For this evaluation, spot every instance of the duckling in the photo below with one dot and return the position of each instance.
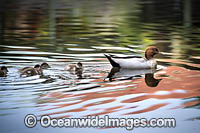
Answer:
(31, 71)
(135, 62)
(3, 71)
(36, 70)
(75, 67)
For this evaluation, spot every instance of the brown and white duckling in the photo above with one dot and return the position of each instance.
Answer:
(135, 62)
(77, 68)
(36, 70)
(74, 67)
(31, 71)
(3, 71)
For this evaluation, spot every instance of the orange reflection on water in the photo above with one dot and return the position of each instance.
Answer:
(127, 95)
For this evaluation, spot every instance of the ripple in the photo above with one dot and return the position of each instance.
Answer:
(112, 48)
(80, 49)
(18, 47)
(24, 57)
(162, 93)
(30, 53)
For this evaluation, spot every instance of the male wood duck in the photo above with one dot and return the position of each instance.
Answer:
(3, 71)
(135, 62)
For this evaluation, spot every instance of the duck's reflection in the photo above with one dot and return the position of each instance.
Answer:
(150, 80)
(125, 74)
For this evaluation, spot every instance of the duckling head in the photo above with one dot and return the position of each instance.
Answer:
(79, 65)
(45, 65)
(38, 69)
(151, 52)
(37, 66)
(4, 69)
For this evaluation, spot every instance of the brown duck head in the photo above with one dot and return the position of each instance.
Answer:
(151, 51)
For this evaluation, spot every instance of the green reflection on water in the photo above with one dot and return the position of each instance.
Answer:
(48, 25)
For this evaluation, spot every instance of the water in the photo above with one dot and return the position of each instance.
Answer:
(66, 32)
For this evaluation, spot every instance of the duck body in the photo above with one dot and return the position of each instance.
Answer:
(131, 62)
(135, 62)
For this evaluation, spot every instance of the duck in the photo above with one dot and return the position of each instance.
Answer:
(36, 70)
(3, 71)
(135, 62)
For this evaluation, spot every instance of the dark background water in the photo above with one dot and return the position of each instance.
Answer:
(67, 31)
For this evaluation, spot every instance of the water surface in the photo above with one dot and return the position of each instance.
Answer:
(66, 32)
